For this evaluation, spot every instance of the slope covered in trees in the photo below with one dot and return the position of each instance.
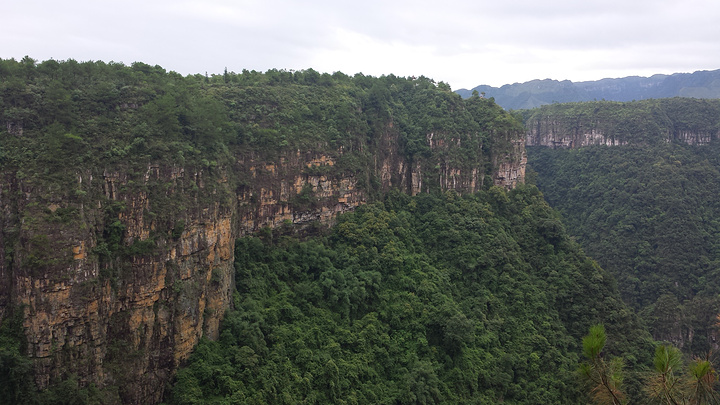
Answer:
(647, 212)
(647, 122)
(99, 114)
(109, 170)
(428, 299)
(123, 188)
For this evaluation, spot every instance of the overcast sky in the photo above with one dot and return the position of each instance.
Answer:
(463, 43)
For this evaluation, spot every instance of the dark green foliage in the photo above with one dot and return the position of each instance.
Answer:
(16, 383)
(67, 126)
(58, 118)
(426, 299)
(646, 122)
(69, 392)
(647, 214)
(87, 140)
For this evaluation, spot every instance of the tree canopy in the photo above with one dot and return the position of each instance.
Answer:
(428, 299)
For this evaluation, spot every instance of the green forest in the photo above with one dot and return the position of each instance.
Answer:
(606, 293)
(642, 123)
(98, 114)
(648, 215)
(414, 300)
(647, 212)
(66, 124)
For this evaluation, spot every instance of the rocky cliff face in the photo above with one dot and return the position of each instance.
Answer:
(510, 166)
(697, 137)
(127, 323)
(559, 134)
(575, 125)
(119, 276)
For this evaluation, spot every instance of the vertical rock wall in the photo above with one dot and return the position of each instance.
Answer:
(119, 278)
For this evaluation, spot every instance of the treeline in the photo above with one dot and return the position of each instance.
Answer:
(428, 299)
(90, 113)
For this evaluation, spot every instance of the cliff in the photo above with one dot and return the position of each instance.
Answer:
(575, 125)
(126, 323)
(117, 240)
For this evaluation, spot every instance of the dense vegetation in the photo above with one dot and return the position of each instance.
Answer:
(647, 212)
(68, 114)
(427, 299)
(437, 298)
(63, 122)
(648, 216)
(647, 122)
(67, 126)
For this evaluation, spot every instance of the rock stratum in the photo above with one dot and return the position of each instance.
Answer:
(123, 190)
(576, 125)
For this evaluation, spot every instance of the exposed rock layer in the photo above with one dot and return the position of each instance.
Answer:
(561, 134)
(130, 318)
(576, 125)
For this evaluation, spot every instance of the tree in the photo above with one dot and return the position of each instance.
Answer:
(664, 385)
(702, 382)
(603, 378)
(667, 386)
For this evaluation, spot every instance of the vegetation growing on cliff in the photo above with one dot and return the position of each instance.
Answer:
(646, 122)
(58, 116)
(646, 211)
(69, 127)
(105, 168)
(428, 299)
(433, 298)
(649, 216)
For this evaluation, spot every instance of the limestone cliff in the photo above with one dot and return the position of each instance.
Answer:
(127, 323)
(129, 320)
(558, 134)
(575, 125)
(123, 189)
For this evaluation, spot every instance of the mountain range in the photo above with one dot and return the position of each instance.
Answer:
(700, 84)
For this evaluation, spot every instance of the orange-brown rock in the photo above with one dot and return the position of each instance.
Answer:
(129, 315)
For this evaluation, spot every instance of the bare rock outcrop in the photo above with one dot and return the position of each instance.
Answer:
(120, 276)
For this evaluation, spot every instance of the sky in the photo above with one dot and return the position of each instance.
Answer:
(462, 43)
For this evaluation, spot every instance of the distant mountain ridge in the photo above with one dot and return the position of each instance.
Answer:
(700, 84)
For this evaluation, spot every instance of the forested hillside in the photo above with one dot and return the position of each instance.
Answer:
(290, 237)
(647, 122)
(123, 189)
(646, 211)
(429, 299)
